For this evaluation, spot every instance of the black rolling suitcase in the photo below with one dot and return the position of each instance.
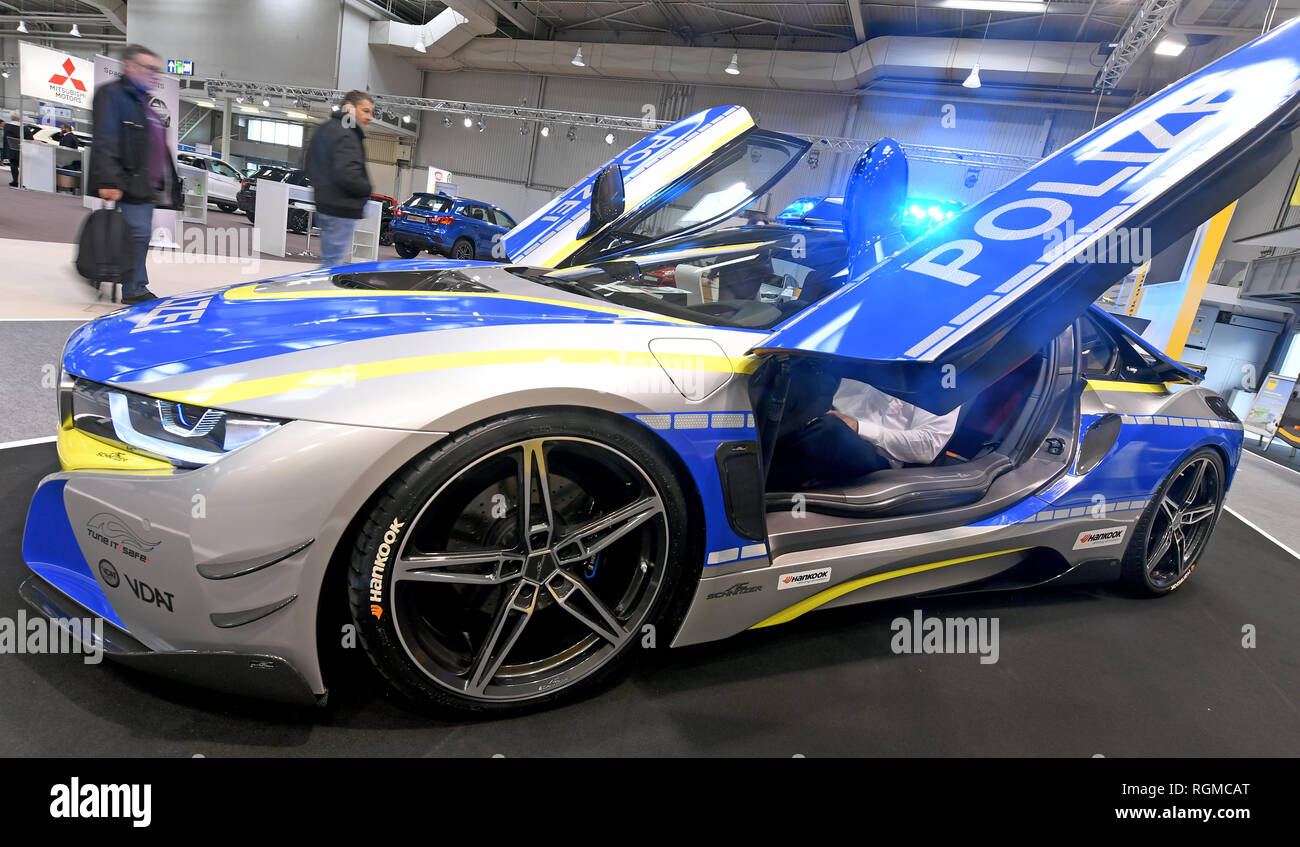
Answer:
(105, 252)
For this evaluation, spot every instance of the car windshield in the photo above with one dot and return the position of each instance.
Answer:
(431, 202)
(267, 172)
(750, 277)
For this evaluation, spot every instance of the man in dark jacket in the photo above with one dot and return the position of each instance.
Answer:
(131, 162)
(13, 140)
(336, 166)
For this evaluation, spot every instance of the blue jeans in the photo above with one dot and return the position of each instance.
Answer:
(335, 239)
(139, 219)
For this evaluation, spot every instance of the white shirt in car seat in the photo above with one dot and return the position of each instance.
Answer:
(905, 433)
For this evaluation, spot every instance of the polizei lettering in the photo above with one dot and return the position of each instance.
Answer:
(381, 565)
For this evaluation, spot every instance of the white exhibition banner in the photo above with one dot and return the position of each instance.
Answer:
(55, 77)
(436, 175)
(166, 103)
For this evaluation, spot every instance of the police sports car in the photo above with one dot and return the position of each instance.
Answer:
(511, 471)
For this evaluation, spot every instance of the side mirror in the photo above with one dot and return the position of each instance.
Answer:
(874, 199)
(606, 198)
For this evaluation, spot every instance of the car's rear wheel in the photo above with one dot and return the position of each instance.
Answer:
(520, 562)
(462, 249)
(249, 213)
(406, 251)
(1175, 529)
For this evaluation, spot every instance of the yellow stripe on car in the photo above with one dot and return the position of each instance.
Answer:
(267, 386)
(250, 292)
(1116, 385)
(821, 598)
(81, 452)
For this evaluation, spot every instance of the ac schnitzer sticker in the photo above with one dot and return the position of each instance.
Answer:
(802, 578)
(381, 565)
(1100, 537)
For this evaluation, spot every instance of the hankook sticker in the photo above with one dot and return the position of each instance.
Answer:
(1100, 537)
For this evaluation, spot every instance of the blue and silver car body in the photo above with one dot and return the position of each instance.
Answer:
(236, 459)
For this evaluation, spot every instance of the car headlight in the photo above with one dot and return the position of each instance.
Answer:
(187, 436)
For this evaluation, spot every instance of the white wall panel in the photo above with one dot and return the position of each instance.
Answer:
(287, 41)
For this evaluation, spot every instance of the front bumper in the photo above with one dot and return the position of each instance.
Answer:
(213, 575)
(248, 674)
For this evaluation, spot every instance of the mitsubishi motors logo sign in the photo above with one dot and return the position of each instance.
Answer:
(55, 77)
(67, 78)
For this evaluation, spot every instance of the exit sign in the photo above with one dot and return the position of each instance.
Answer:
(183, 67)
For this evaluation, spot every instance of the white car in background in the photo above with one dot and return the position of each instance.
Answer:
(52, 135)
(223, 179)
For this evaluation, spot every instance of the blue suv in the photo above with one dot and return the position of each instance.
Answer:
(455, 227)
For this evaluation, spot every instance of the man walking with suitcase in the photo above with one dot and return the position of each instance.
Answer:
(336, 166)
(131, 163)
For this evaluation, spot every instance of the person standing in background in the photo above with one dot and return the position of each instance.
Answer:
(336, 166)
(68, 139)
(130, 162)
(13, 140)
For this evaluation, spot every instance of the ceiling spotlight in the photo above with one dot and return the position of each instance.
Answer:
(1171, 45)
(334, 107)
(239, 99)
(480, 125)
(972, 81)
(469, 122)
(523, 130)
(734, 67)
(419, 44)
(74, 32)
(4, 74)
(577, 60)
(571, 134)
(406, 119)
(266, 102)
(546, 130)
(609, 138)
(22, 26)
(446, 120)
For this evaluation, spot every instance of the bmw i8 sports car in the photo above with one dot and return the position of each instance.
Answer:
(511, 470)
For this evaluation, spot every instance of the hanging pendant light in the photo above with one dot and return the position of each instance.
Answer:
(577, 59)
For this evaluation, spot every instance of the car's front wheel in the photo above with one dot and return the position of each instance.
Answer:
(521, 562)
(227, 207)
(406, 251)
(1175, 529)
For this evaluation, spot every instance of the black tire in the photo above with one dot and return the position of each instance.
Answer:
(484, 646)
(298, 221)
(463, 249)
(249, 213)
(406, 251)
(227, 207)
(385, 238)
(1158, 559)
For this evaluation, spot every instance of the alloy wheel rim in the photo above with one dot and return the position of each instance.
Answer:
(1182, 523)
(515, 579)
(464, 251)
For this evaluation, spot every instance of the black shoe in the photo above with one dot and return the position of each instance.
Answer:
(132, 299)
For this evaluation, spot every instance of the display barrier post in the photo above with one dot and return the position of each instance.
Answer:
(365, 237)
(194, 184)
(271, 216)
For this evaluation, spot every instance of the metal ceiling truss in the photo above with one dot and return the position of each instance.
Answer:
(219, 88)
(1146, 25)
